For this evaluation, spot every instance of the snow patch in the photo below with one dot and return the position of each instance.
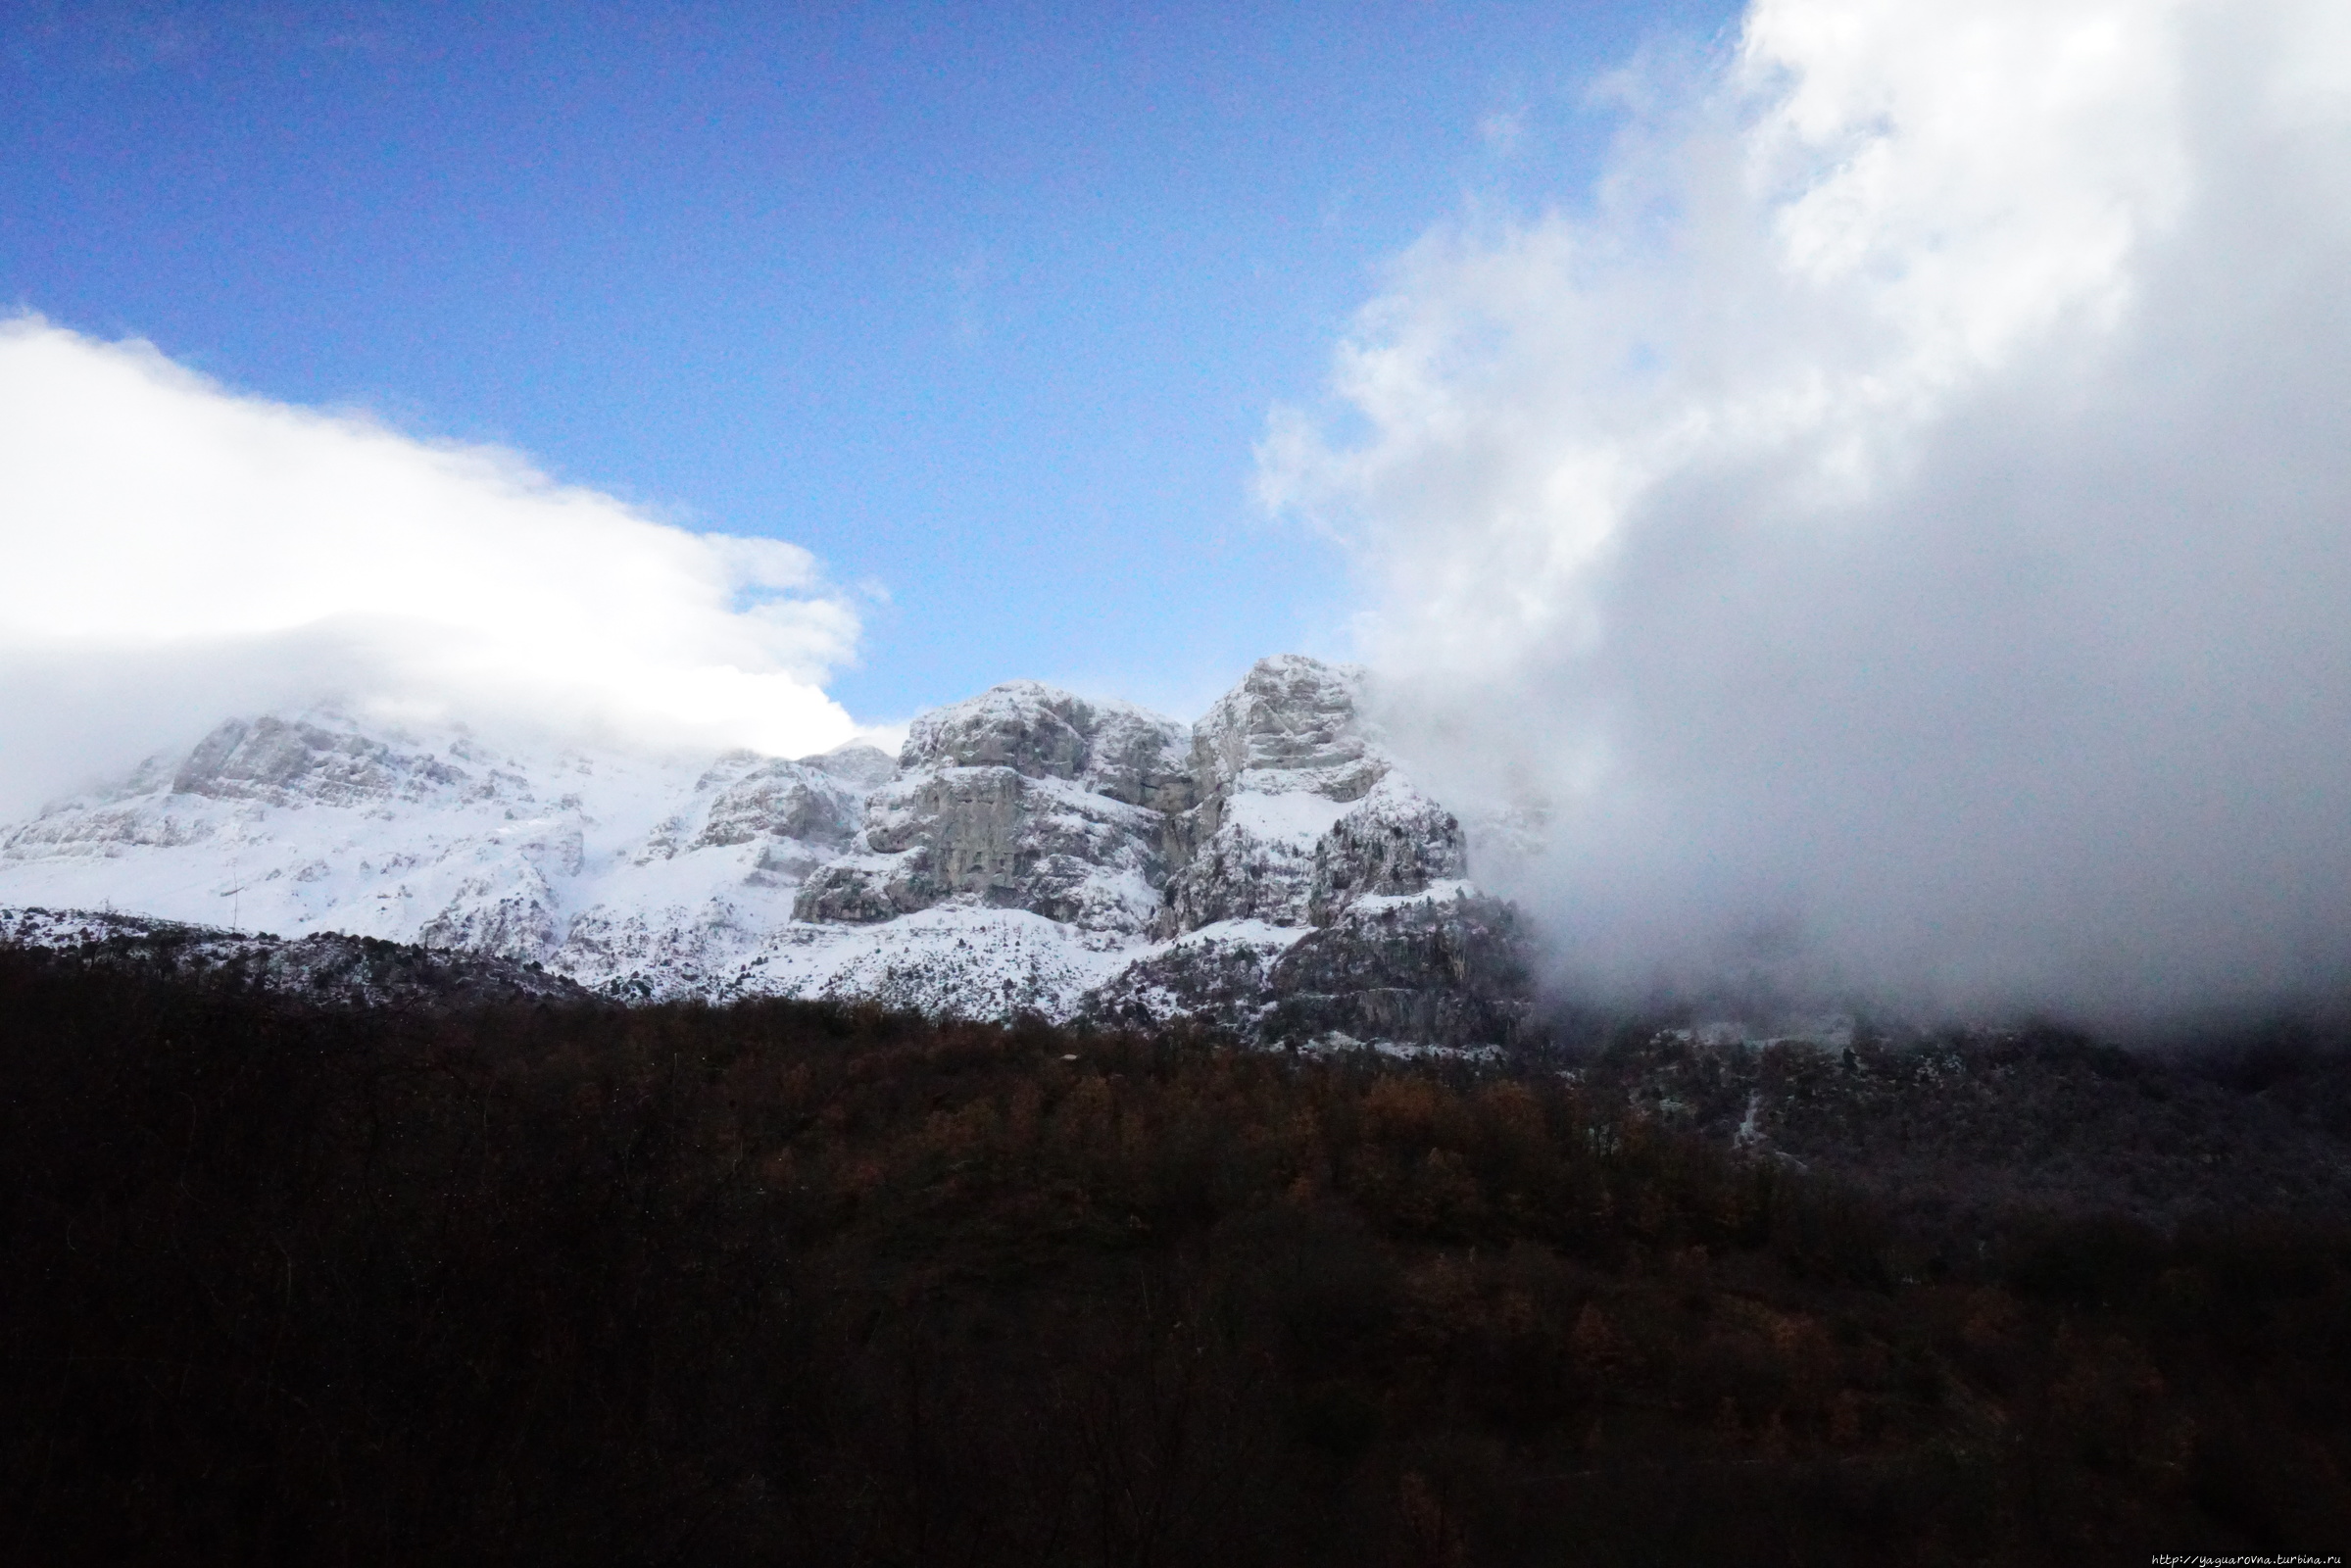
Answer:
(1292, 820)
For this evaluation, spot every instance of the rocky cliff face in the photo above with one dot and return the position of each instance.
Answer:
(1394, 843)
(1274, 765)
(1023, 798)
(1269, 868)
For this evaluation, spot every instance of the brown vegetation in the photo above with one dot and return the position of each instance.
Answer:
(792, 1284)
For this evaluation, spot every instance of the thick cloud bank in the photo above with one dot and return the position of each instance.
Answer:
(175, 553)
(1900, 525)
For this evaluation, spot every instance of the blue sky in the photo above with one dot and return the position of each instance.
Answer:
(985, 306)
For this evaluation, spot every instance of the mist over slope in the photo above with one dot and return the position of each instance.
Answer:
(1895, 530)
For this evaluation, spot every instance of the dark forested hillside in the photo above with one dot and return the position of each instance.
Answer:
(778, 1283)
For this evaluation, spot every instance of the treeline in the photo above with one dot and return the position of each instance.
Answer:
(794, 1284)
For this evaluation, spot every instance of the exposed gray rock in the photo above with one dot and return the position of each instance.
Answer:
(1281, 808)
(864, 890)
(1111, 748)
(1395, 841)
(1293, 723)
(1024, 798)
(1275, 763)
(991, 835)
(283, 762)
(1256, 864)
(1140, 758)
(969, 820)
(779, 799)
(1217, 977)
(859, 765)
(521, 926)
(1451, 971)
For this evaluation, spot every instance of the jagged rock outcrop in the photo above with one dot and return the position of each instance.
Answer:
(793, 810)
(1292, 724)
(1275, 765)
(1023, 798)
(1221, 975)
(1394, 843)
(1110, 749)
(1451, 970)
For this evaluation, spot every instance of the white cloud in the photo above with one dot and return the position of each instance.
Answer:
(175, 553)
(1904, 529)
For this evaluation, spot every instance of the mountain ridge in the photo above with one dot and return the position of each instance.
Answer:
(1028, 850)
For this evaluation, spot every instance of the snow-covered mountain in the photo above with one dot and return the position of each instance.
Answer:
(1269, 868)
